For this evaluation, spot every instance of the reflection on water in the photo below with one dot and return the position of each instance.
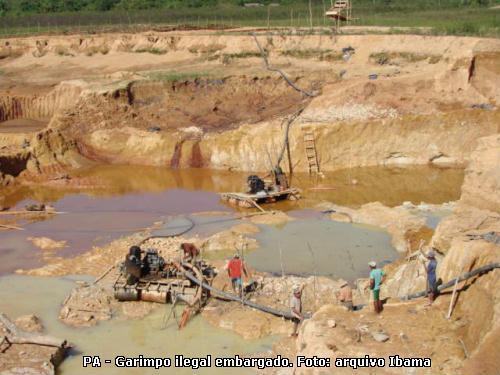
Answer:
(390, 186)
(112, 201)
(92, 221)
(321, 247)
(43, 296)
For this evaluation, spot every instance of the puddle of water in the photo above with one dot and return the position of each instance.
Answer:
(43, 296)
(434, 217)
(339, 250)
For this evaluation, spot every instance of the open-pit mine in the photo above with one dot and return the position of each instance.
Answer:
(137, 169)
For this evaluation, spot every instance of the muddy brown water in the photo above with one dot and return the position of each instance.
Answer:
(148, 336)
(113, 201)
(22, 126)
(116, 201)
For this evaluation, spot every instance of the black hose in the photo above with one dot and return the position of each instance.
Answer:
(449, 284)
(269, 310)
(191, 226)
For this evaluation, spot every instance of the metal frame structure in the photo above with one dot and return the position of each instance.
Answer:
(341, 10)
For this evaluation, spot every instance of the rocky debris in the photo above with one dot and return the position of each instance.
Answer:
(347, 112)
(245, 228)
(87, 305)
(362, 333)
(29, 358)
(481, 187)
(272, 291)
(404, 277)
(45, 243)
(466, 220)
(248, 323)
(401, 224)
(229, 240)
(380, 336)
(6, 180)
(493, 237)
(271, 218)
(29, 323)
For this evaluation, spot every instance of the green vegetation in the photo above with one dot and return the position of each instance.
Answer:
(209, 49)
(227, 57)
(458, 17)
(317, 53)
(177, 76)
(154, 51)
(385, 58)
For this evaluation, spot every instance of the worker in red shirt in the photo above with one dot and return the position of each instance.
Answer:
(235, 268)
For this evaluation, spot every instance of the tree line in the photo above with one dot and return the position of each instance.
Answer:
(19, 7)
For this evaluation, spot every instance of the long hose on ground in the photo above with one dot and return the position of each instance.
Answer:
(449, 284)
(269, 310)
(183, 230)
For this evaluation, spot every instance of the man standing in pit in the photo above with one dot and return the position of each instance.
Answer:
(296, 308)
(345, 296)
(430, 269)
(377, 277)
(235, 268)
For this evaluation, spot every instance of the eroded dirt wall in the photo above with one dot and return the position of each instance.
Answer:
(34, 106)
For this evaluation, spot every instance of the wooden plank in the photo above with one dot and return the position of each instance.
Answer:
(5, 213)
(10, 227)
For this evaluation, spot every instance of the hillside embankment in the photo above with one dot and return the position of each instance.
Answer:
(187, 100)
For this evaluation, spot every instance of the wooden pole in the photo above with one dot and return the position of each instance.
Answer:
(281, 261)
(16, 336)
(256, 205)
(268, 17)
(314, 273)
(452, 302)
(310, 15)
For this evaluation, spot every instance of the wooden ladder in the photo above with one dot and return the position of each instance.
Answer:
(310, 148)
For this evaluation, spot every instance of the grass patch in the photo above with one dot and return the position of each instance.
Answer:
(209, 49)
(177, 76)
(228, 57)
(313, 53)
(152, 50)
(394, 58)
(447, 17)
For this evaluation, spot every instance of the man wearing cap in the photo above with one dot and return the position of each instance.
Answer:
(235, 268)
(377, 277)
(345, 296)
(430, 269)
(296, 308)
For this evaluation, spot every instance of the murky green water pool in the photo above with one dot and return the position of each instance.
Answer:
(43, 297)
